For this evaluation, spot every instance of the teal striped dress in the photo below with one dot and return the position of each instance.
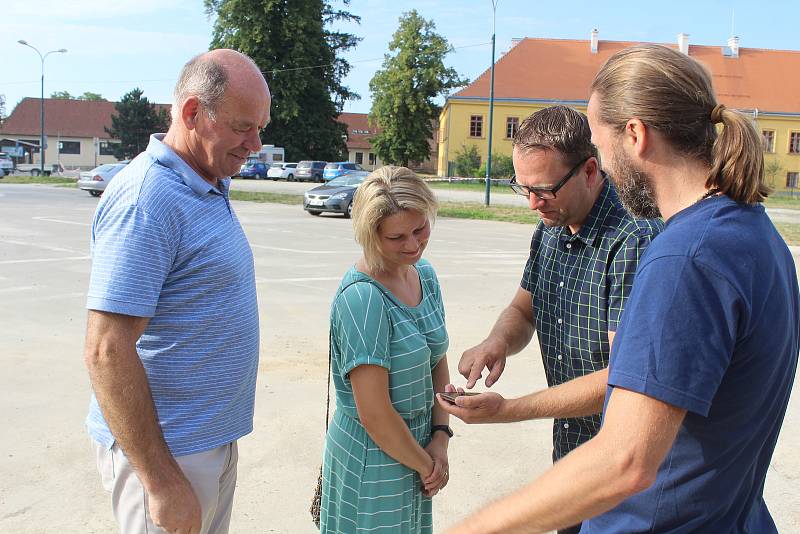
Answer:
(364, 489)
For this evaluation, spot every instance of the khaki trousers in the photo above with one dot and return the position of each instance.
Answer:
(212, 475)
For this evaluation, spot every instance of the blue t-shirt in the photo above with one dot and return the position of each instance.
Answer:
(712, 327)
(167, 245)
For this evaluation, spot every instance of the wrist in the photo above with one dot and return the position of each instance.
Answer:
(440, 439)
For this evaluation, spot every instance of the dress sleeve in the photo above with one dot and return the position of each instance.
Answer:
(621, 271)
(361, 327)
(132, 255)
(677, 334)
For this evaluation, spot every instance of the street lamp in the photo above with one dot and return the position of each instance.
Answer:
(491, 111)
(41, 112)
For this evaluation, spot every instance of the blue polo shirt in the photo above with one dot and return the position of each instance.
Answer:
(167, 245)
(712, 326)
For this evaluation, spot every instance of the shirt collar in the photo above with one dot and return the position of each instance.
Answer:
(591, 227)
(165, 155)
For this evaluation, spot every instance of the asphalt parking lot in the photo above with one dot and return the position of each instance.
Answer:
(48, 482)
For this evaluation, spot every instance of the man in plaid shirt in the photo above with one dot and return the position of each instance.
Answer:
(583, 257)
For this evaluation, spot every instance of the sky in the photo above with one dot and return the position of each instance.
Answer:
(116, 46)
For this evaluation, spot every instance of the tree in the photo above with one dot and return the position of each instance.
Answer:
(772, 168)
(2, 109)
(61, 95)
(293, 43)
(403, 90)
(135, 119)
(467, 161)
(502, 166)
(88, 95)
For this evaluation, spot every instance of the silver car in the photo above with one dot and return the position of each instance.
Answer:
(96, 180)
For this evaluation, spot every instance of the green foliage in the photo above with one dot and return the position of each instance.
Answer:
(88, 95)
(772, 168)
(61, 95)
(300, 55)
(135, 119)
(502, 166)
(2, 109)
(467, 162)
(404, 88)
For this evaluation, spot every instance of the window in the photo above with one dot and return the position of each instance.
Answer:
(794, 143)
(512, 125)
(792, 179)
(277, 157)
(106, 148)
(69, 147)
(476, 126)
(359, 157)
(372, 158)
(769, 140)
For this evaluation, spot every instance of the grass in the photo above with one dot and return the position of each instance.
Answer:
(50, 180)
(275, 198)
(786, 202)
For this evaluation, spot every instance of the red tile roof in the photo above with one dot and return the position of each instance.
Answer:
(68, 118)
(358, 130)
(563, 70)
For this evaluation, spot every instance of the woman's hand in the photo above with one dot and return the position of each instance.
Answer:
(440, 475)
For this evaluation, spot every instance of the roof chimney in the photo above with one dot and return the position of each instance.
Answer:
(683, 43)
(594, 42)
(733, 45)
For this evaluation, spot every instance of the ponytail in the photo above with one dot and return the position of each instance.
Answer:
(737, 160)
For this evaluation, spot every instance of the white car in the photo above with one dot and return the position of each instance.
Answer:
(283, 171)
(96, 180)
(6, 165)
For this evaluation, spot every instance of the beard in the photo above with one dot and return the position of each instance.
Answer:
(633, 186)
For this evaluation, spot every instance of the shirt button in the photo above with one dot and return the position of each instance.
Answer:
(569, 245)
(561, 284)
(560, 321)
(566, 425)
(559, 357)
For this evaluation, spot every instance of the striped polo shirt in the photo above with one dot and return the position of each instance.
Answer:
(579, 284)
(167, 245)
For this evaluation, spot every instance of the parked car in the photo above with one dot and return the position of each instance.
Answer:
(282, 170)
(96, 180)
(309, 171)
(335, 196)
(254, 169)
(6, 165)
(332, 170)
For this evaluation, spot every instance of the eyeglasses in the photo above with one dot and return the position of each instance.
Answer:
(545, 193)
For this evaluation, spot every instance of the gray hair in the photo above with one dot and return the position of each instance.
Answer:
(204, 78)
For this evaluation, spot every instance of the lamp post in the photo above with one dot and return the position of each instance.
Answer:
(491, 110)
(41, 110)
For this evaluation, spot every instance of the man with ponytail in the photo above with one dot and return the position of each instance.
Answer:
(705, 356)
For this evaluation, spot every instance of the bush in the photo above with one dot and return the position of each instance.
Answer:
(502, 167)
(467, 162)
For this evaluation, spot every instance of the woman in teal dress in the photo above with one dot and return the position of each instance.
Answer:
(386, 448)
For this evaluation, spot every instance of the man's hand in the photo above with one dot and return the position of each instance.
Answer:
(483, 408)
(175, 508)
(490, 355)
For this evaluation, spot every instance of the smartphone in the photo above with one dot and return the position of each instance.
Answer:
(450, 396)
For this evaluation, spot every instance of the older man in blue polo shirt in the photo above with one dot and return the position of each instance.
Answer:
(174, 384)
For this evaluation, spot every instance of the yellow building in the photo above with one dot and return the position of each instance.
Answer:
(537, 73)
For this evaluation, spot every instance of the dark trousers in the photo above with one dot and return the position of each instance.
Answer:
(571, 530)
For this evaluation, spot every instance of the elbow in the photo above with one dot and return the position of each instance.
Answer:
(635, 474)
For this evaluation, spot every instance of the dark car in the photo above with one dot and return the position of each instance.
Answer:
(309, 171)
(253, 170)
(335, 196)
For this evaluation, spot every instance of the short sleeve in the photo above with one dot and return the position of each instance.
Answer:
(677, 334)
(132, 256)
(529, 281)
(361, 327)
(621, 271)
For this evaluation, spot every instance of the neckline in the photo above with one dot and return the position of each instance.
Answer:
(392, 296)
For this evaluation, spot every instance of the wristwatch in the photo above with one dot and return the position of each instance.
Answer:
(442, 428)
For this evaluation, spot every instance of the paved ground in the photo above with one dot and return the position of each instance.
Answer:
(48, 482)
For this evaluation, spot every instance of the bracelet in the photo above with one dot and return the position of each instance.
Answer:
(442, 428)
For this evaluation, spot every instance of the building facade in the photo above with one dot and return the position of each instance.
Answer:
(537, 73)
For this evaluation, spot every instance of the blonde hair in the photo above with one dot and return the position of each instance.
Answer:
(385, 192)
(673, 94)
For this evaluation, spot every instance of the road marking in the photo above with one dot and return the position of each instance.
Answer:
(36, 245)
(60, 221)
(45, 260)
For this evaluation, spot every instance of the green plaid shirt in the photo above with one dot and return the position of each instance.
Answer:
(579, 284)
